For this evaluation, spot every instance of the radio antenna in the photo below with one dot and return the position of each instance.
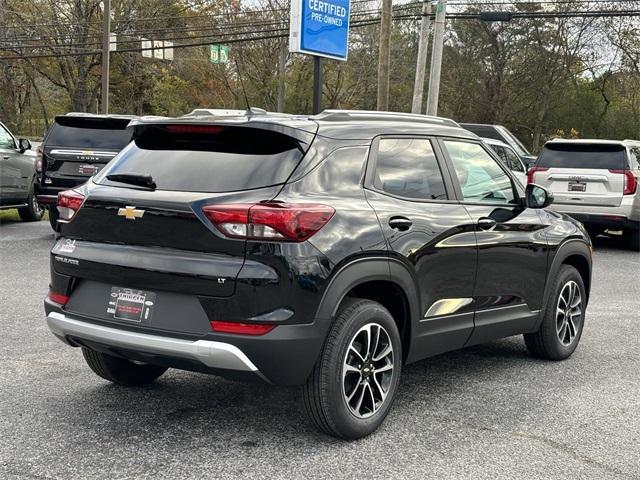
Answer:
(244, 93)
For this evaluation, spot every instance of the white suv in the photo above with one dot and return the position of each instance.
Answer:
(594, 181)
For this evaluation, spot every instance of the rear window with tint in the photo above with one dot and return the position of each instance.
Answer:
(223, 159)
(583, 156)
(89, 133)
(485, 131)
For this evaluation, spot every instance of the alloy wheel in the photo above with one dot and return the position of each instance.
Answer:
(568, 313)
(367, 370)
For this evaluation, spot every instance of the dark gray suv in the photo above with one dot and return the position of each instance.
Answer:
(17, 176)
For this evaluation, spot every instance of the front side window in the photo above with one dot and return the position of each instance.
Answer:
(6, 140)
(407, 167)
(481, 178)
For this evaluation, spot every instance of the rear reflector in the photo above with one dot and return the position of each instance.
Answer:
(630, 181)
(241, 328)
(57, 298)
(69, 202)
(269, 221)
(532, 171)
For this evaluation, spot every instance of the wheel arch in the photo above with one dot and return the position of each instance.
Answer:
(381, 279)
(576, 253)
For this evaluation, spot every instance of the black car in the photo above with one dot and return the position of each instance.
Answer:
(324, 251)
(17, 176)
(76, 147)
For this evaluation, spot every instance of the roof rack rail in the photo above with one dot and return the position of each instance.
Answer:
(222, 112)
(342, 115)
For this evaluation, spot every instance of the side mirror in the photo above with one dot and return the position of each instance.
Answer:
(537, 197)
(24, 145)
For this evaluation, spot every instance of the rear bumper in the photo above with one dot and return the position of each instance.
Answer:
(284, 356)
(624, 216)
(208, 353)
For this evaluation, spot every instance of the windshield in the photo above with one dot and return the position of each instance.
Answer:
(574, 155)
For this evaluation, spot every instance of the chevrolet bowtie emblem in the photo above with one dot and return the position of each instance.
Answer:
(130, 213)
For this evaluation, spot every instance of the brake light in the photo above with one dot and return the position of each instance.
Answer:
(532, 171)
(39, 158)
(69, 202)
(241, 328)
(269, 221)
(630, 181)
(193, 128)
(57, 298)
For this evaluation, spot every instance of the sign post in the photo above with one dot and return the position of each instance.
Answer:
(320, 28)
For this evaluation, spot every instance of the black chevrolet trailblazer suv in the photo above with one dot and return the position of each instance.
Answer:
(325, 251)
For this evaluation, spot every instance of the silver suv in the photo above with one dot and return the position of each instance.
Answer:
(594, 181)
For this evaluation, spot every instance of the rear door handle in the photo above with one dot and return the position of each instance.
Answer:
(400, 223)
(486, 223)
(5, 157)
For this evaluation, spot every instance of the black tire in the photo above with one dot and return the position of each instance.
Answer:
(548, 342)
(632, 238)
(325, 394)
(121, 371)
(33, 212)
(53, 218)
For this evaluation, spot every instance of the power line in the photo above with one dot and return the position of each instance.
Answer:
(362, 23)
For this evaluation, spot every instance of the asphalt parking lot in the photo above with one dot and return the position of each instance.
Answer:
(484, 412)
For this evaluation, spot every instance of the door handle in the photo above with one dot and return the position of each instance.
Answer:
(5, 157)
(486, 223)
(400, 223)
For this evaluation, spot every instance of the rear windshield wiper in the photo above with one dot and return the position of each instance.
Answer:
(138, 179)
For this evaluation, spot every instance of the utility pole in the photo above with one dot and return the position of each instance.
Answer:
(282, 64)
(421, 62)
(106, 38)
(436, 58)
(317, 85)
(384, 56)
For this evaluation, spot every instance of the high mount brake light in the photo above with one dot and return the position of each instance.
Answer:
(532, 171)
(630, 181)
(241, 328)
(69, 202)
(286, 222)
(193, 128)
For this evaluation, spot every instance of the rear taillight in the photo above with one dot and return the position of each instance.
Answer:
(630, 181)
(39, 158)
(269, 221)
(532, 172)
(241, 328)
(69, 202)
(57, 298)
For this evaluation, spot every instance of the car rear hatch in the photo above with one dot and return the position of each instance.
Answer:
(160, 240)
(589, 174)
(78, 147)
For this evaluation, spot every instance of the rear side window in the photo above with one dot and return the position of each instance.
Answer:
(486, 131)
(508, 158)
(81, 132)
(407, 167)
(208, 159)
(596, 156)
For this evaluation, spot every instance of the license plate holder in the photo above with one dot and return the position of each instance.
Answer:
(131, 305)
(577, 187)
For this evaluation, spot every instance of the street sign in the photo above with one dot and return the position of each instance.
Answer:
(218, 54)
(320, 27)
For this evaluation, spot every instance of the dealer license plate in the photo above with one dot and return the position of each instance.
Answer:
(131, 305)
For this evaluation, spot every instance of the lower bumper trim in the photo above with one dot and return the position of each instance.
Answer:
(209, 353)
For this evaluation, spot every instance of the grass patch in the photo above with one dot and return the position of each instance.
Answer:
(11, 216)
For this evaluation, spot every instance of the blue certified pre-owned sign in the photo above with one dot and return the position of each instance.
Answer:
(320, 27)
